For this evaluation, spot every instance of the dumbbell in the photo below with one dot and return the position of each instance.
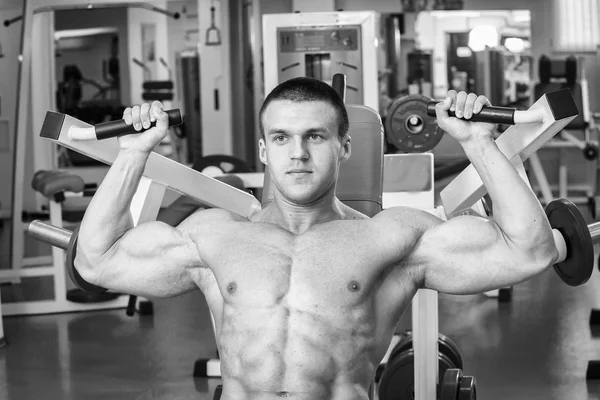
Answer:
(396, 378)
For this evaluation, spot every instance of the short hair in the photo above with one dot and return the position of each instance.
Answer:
(303, 89)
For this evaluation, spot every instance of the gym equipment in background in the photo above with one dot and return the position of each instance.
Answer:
(580, 134)
(156, 90)
(322, 44)
(188, 67)
(411, 125)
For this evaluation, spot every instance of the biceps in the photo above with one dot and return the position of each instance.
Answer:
(466, 255)
(152, 260)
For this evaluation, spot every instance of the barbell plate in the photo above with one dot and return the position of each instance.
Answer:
(449, 348)
(398, 377)
(409, 128)
(445, 346)
(450, 384)
(405, 343)
(467, 389)
(72, 271)
(578, 266)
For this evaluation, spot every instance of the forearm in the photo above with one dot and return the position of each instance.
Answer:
(517, 211)
(107, 217)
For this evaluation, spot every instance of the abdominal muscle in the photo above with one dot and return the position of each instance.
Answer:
(295, 354)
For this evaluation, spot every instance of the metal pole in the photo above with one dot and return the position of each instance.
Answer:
(50, 234)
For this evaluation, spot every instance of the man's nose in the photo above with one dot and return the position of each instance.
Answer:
(298, 150)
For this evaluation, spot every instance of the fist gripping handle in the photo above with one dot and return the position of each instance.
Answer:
(497, 115)
(111, 129)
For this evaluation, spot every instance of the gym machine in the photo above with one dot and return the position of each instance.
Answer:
(95, 140)
(544, 120)
(555, 75)
(188, 67)
(36, 70)
(320, 45)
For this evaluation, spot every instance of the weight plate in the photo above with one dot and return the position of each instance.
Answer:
(450, 384)
(70, 266)
(405, 343)
(577, 268)
(467, 389)
(449, 348)
(409, 128)
(444, 365)
(445, 346)
(398, 377)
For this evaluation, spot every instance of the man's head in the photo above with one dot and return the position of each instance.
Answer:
(304, 89)
(304, 129)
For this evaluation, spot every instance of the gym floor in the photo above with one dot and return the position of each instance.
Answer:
(535, 347)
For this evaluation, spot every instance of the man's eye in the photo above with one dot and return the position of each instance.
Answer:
(314, 137)
(278, 138)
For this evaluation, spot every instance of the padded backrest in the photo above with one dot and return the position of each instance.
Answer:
(360, 182)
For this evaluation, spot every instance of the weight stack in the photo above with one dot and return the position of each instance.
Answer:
(189, 62)
(157, 90)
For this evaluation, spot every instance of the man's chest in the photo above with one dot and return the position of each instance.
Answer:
(270, 266)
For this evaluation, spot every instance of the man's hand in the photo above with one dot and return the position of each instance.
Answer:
(141, 117)
(464, 106)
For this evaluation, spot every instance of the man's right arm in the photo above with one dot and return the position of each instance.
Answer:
(152, 259)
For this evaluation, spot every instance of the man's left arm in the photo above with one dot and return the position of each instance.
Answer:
(470, 254)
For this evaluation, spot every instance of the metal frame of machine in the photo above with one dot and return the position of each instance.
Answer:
(369, 42)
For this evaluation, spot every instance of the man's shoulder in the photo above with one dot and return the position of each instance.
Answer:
(408, 216)
(351, 214)
(216, 215)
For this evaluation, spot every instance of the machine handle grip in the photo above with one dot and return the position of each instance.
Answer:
(495, 115)
(111, 129)
(338, 82)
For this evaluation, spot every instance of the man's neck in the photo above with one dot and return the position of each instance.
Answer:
(298, 218)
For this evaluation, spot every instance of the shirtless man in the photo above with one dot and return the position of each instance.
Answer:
(306, 294)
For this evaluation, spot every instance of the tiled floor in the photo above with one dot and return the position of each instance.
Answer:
(535, 347)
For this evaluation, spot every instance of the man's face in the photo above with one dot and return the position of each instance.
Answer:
(302, 149)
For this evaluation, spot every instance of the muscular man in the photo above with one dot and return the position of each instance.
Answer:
(307, 292)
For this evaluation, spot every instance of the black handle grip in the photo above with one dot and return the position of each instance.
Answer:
(494, 115)
(338, 83)
(130, 310)
(110, 129)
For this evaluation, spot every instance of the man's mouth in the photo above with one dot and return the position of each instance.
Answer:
(299, 171)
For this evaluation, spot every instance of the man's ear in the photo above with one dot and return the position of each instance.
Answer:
(346, 148)
(262, 151)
